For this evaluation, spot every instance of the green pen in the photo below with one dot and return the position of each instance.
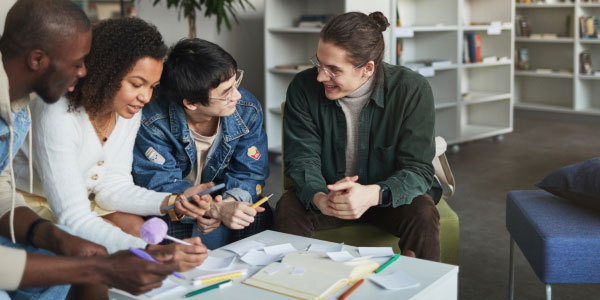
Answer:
(206, 289)
(389, 262)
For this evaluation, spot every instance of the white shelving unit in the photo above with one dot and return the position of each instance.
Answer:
(558, 91)
(287, 44)
(98, 10)
(472, 100)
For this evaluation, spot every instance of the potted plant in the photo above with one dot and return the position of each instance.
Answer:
(223, 9)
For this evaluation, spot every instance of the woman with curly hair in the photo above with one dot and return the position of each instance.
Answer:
(83, 145)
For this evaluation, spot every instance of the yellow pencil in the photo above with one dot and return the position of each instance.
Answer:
(261, 201)
(218, 278)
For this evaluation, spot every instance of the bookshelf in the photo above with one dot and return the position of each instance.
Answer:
(560, 87)
(288, 44)
(98, 10)
(473, 100)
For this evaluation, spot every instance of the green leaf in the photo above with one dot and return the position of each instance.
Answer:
(223, 9)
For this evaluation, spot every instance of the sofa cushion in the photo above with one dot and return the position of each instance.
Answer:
(577, 182)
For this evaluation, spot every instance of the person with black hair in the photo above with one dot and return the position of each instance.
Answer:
(205, 128)
(42, 50)
(359, 141)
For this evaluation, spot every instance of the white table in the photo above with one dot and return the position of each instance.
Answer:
(438, 281)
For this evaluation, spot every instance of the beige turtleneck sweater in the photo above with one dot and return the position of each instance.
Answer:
(352, 105)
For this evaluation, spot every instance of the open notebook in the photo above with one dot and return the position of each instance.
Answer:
(321, 278)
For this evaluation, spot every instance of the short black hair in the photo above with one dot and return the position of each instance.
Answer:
(117, 45)
(194, 67)
(41, 24)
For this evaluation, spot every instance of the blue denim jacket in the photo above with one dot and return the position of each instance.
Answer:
(20, 129)
(231, 159)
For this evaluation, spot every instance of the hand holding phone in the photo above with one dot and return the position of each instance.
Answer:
(215, 188)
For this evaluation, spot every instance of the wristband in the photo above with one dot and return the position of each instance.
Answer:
(171, 211)
(32, 229)
(384, 196)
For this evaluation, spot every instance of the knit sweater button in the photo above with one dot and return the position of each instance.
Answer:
(100, 162)
(95, 177)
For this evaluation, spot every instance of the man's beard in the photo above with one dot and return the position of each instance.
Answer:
(43, 86)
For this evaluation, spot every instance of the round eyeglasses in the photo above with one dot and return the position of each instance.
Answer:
(239, 75)
(315, 61)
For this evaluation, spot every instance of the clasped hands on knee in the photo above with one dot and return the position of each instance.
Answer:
(347, 199)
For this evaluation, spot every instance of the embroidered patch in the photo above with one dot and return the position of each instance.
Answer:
(258, 189)
(253, 152)
(154, 156)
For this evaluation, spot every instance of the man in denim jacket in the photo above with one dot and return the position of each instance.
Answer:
(203, 129)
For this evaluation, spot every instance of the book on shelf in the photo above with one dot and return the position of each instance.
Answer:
(320, 276)
(415, 65)
(523, 59)
(399, 52)
(473, 47)
(313, 21)
(570, 26)
(299, 67)
(543, 71)
(585, 63)
(478, 47)
(465, 50)
(589, 27)
(549, 35)
(523, 26)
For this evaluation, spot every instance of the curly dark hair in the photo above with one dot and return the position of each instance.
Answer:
(117, 45)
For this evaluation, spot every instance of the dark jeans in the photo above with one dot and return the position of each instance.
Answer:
(416, 224)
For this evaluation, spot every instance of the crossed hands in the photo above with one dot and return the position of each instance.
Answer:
(347, 199)
(234, 214)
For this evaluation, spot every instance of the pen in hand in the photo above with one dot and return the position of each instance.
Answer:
(261, 201)
(142, 254)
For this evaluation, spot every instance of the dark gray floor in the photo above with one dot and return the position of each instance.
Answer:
(484, 172)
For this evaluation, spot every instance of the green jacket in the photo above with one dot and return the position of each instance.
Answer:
(395, 137)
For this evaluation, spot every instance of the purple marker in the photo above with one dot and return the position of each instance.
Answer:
(142, 254)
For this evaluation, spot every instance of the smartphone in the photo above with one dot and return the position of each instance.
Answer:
(215, 188)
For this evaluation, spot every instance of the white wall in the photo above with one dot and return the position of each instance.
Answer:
(245, 41)
(5, 5)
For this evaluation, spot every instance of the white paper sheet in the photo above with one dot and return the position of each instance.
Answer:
(395, 281)
(340, 256)
(376, 251)
(216, 263)
(168, 288)
(244, 246)
(260, 258)
(274, 269)
(326, 247)
(280, 249)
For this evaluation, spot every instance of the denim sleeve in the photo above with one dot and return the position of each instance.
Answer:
(249, 166)
(165, 177)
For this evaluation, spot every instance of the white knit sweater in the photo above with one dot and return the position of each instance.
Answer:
(72, 164)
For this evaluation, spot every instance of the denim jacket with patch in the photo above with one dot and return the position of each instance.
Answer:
(238, 156)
